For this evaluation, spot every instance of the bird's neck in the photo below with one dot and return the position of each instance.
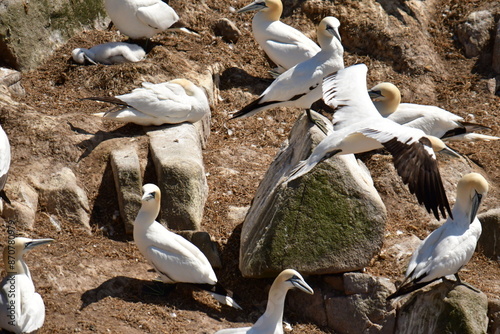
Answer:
(146, 216)
(462, 208)
(14, 263)
(274, 310)
(269, 15)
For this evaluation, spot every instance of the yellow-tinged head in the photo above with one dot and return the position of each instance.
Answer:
(151, 193)
(188, 86)
(328, 29)
(271, 9)
(471, 190)
(387, 97)
(289, 279)
(15, 249)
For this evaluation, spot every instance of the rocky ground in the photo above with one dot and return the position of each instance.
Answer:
(98, 282)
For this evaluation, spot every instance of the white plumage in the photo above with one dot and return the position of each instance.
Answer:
(450, 247)
(360, 128)
(300, 86)
(21, 308)
(109, 53)
(141, 18)
(4, 163)
(284, 45)
(171, 102)
(173, 257)
(271, 322)
(432, 120)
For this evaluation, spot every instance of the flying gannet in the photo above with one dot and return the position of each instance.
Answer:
(21, 308)
(450, 247)
(432, 120)
(271, 322)
(300, 86)
(4, 163)
(143, 18)
(174, 258)
(109, 54)
(171, 102)
(360, 128)
(284, 45)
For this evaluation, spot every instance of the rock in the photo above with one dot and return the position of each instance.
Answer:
(60, 195)
(496, 50)
(403, 247)
(443, 308)
(475, 32)
(315, 310)
(494, 316)
(176, 152)
(12, 80)
(204, 242)
(227, 30)
(331, 220)
(489, 243)
(24, 205)
(128, 183)
(32, 30)
(363, 308)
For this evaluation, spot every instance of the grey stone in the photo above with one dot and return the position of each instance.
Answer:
(315, 310)
(494, 316)
(32, 30)
(496, 50)
(60, 195)
(12, 80)
(363, 309)
(443, 308)
(331, 220)
(24, 201)
(475, 32)
(489, 241)
(176, 152)
(227, 30)
(204, 242)
(128, 182)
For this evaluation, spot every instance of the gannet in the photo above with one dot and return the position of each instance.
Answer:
(271, 322)
(450, 247)
(432, 120)
(109, 53)
(171, 102)
(300, 86)
(174, 258)
(360, 128)
(284, 45)
(143, 18)
(4, 162)
(21, 308)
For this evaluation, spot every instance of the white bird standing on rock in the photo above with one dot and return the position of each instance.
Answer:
(109, 54)
(171, 102)
(21, 308)
(450, 247)
(174, 258)
(271, 322)
(143, 18)
(300, 86)
(360, 128)
(283, 44)
(432, 120)
(4, 164)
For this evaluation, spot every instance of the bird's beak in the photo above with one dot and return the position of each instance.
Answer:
(37, 242)
(334, 32)
(448, 151)
(476, 201)
(148, 196)
(375, 94)
(257, 5)
(301, 285)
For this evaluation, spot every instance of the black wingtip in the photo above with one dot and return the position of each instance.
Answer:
(251, 108)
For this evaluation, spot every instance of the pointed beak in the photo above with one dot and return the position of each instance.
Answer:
(257, 5)
(448, 151)
(334, 32)
(37, 242)
(301, 285)
(148, 196)
(476, 202)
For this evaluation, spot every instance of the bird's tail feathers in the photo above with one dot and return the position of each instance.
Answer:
(409, 287)
(300, 169)
(220, 293)
(471, 127)
(251, 108)
(471, 137)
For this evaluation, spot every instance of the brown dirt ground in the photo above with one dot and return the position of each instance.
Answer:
(95, 283)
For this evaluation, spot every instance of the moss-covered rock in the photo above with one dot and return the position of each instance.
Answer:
(331, 220)
(31, 30)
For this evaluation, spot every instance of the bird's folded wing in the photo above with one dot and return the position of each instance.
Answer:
(158, 15)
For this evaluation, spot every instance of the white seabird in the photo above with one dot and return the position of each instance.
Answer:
(171, 102)
(109, 54)
(174, 258)
(283, 44)
(21, 308)
(450, 247)
(300, 86)
(432, 120)
(143, 18)
(360, 128)
(271, 322)
(4, 162)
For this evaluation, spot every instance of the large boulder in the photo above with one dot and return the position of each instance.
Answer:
(328, 221)
(488, 242)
